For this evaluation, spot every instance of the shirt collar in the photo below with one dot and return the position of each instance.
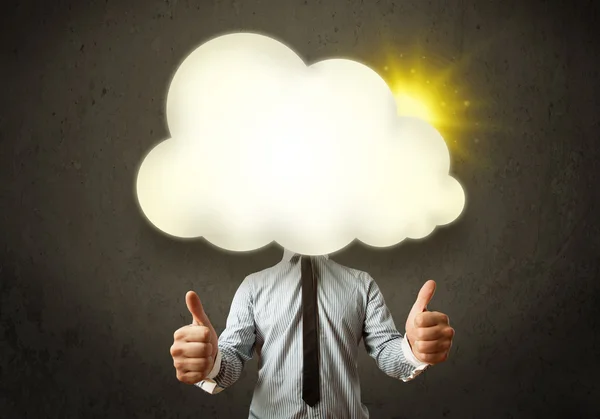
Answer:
(288, 255)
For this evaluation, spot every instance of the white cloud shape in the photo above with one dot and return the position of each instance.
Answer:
(265, 148)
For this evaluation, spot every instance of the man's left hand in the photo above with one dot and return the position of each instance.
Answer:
(428, 332)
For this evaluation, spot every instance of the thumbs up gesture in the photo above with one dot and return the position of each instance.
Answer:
(428, 332)
(195, 346)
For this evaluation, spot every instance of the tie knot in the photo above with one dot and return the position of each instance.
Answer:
(307, 262)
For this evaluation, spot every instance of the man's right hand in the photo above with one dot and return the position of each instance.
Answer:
(195, 346)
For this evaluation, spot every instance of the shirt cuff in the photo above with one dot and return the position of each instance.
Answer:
(411, 359)
(208, 384)
(410, 356)
(217, 367)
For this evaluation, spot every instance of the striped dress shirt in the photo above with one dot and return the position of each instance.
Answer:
(266, 319)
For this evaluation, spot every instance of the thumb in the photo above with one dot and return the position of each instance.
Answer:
(194, 305)
(424, 297)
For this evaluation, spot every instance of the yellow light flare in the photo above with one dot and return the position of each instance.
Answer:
(413, 107)
(461, 117)
(426, 87)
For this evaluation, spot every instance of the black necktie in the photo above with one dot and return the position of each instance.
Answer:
(310, 369)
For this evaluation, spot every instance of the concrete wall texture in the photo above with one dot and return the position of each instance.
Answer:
(90, 293)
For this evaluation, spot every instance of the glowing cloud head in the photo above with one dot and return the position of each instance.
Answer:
(265, 148)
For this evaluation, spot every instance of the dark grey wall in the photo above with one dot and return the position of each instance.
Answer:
(91, 293)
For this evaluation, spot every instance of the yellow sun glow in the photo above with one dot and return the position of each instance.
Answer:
(425, 87)
(410, 106)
